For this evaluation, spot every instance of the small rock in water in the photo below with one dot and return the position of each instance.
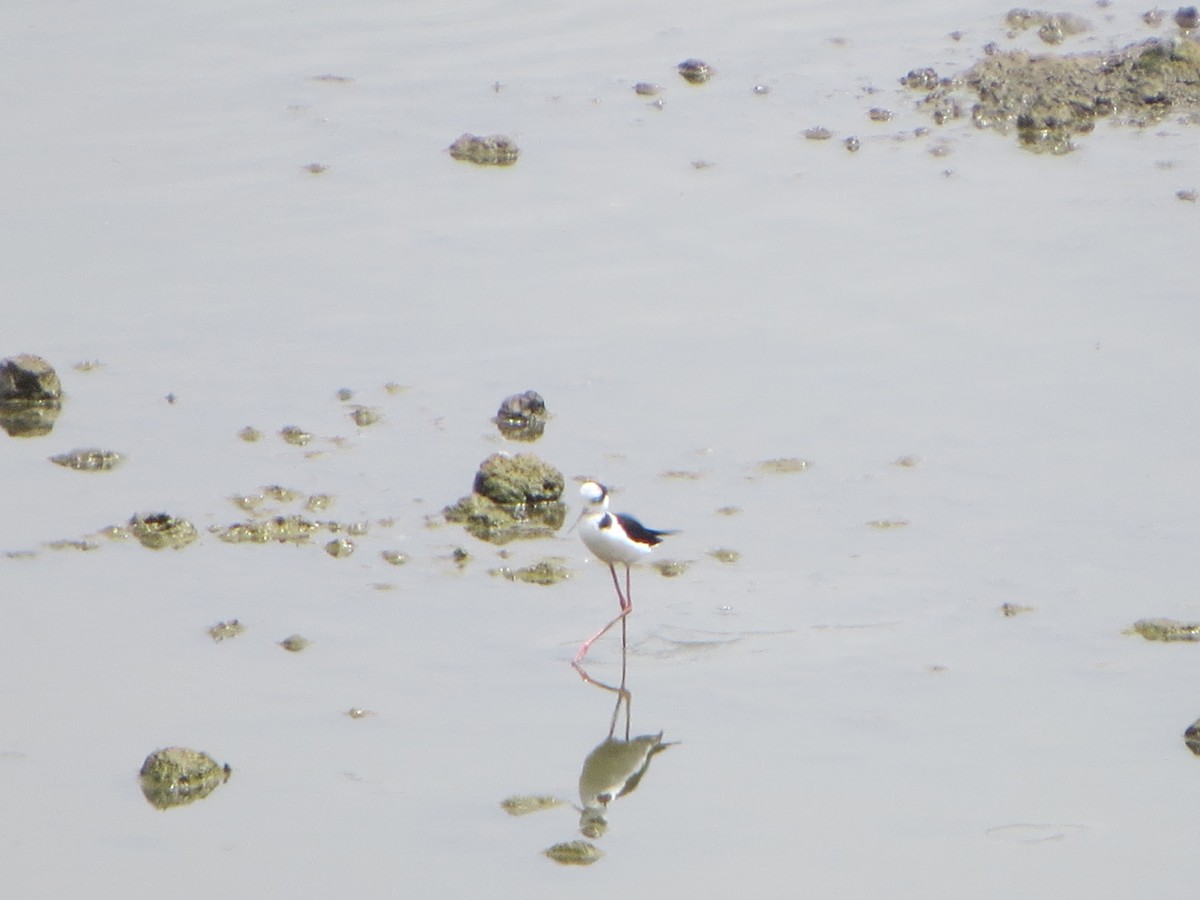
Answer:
(695, 71)
(522, 417)
(30, 396)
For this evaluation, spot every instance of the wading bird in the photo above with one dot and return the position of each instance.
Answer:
(613, 538)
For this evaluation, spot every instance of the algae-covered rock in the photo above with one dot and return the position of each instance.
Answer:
(30, 396)
(518, 479)
(574, 853)
(514, 497)
(493, 150)
(176, 776)
(284, 529)
(88, 459)
(28, 379)
(1167, 630)
(159, 530)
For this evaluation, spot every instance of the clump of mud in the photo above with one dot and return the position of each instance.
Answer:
(88, 459)
(176, 776)
(545, 572)
(574, 853)
(494, 150)
(30, 396)
(275, 526)
(1167, 630)
(1053, 28)
(159, 530)
(514, 497)
(1047, 99)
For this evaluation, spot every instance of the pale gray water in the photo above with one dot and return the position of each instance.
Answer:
(855, 715)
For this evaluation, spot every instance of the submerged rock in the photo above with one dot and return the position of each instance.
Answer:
(514, 497)
(30, 396)
(159, 530)
(494, 150)
(176, 776)
(522, 417)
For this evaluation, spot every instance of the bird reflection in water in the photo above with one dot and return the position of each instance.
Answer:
(617, 765)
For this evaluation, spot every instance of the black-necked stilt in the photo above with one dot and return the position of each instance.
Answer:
(612, 538)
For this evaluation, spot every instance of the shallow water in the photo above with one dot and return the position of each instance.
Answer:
(853, 711)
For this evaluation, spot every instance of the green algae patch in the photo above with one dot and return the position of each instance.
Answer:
(574, 853)
(296, 435)
(223, 631)
(1047, 100)
(158, 531)
(725, 555)
(783, 466)
(1166, 630)
(294, 643)
(340, 547)
(546, 572)
(176, 776)
(493, 150)
(88, 459)
(1012, 610)
(515, 497)
(293, 529)
(888, 524)
(671, 568)
(524, 804)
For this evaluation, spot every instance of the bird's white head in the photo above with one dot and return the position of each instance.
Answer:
(593, 492)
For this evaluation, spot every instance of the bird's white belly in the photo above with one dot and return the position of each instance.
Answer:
(610, 545)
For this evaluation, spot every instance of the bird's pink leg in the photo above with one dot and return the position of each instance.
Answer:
(626, 609)
(624, 598)
(588, 643)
